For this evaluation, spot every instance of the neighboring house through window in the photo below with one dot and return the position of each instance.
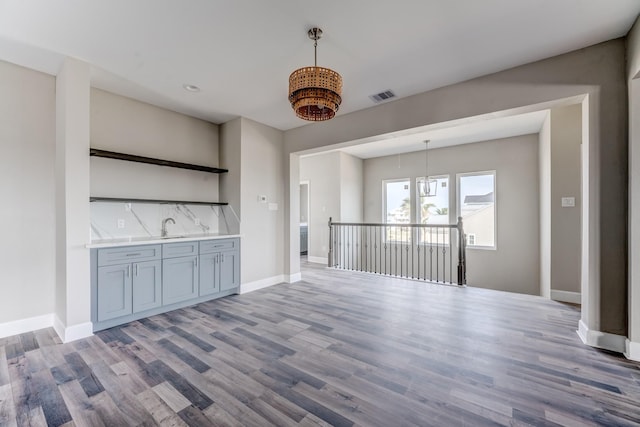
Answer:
(477, 207)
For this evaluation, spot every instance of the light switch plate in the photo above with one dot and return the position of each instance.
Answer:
(568, 202)
(273, 206)
(121, 223)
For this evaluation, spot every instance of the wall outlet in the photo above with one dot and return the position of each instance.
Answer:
(127, 207)
(121, 223)
(568, 202)
(196, 221)
(273, 206)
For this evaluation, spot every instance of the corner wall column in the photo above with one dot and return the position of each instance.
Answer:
(633, 341)
(73, 291)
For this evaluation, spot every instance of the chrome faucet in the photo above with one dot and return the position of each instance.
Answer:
(164, 225)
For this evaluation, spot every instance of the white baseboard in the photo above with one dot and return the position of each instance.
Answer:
(603, 340)
(566, 296)
(295, 277)
(262, 283)
(72, 333)
(632, 350)
(318, 259)
(21, 326)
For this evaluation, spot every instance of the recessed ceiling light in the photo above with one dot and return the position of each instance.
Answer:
(191, 88)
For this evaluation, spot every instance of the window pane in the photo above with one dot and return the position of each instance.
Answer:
(433, 208)
(477, 208)
(397, 202)
(397, 210)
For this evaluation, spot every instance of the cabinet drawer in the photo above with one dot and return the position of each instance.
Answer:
(127, 254)
(209, 246)
(173, 250)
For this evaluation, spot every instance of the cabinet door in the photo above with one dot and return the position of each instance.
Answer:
(209, 274)
(229, 273)
(147, 285)
(179, 279)
(114, 291)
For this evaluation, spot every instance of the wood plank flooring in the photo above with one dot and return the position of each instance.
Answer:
(338, 348)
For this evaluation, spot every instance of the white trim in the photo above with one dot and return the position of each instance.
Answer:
(21, 326)
(294, 278)
(599, 339)
(632, 350)
(72, 333)
(566, 296)
(318, 259)
(262, 283)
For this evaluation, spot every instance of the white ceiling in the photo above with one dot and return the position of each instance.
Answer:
(241, 52)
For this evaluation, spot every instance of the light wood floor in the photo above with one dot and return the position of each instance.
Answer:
(338, 348)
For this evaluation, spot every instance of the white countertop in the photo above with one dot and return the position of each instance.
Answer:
(131, 241)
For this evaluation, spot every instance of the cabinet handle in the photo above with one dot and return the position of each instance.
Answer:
(138, 254)
(136, 270)
(222, 258)
(196, 261)
(128, 270)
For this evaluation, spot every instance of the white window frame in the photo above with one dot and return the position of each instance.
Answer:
(384, 197)
(495, 206)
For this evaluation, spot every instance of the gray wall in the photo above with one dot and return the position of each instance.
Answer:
(633, 76)
(566, 137)
(27, 189)
(514, 266)
(125, 125)
(351, 188)
(261, 227)
(597, 71)
(253, 154)
(335, 191)
(323, 174)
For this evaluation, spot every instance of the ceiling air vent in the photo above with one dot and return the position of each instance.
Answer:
(383, 96)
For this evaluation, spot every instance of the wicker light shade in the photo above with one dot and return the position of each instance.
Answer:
(315, 92)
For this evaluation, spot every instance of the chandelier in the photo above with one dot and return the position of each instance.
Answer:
(315, 92)
(427, 187)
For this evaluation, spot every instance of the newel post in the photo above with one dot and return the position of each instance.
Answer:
(330, 256)
(462, 262)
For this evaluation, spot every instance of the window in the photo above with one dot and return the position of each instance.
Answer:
(471, 239)
(397, 198)
(397, 209)
(476, 206)
(433, 208)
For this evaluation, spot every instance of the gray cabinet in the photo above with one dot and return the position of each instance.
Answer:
(131, 282)
(146, 285)
(219, 266)
(229, 270)
(179, 272)
(114, 291)
(124, 285)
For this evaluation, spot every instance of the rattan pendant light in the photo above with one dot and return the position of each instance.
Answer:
(315, 93)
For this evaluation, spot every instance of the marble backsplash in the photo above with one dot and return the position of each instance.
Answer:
(118, 220)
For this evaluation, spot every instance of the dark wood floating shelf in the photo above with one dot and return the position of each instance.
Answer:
(140, 159)
(178, 202)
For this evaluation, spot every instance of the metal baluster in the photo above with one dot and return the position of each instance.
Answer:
(437, 255)
(450, 258)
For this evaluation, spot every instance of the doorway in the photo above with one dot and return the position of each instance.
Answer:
(304, 218)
